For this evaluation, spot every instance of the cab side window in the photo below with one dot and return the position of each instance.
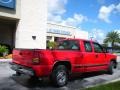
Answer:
(88, 47)
(69, 45)
(97, 48)
(74, 45)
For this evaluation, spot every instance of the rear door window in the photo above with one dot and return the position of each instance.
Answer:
(88, 47)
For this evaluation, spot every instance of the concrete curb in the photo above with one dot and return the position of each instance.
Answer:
(5, 61)
(114, 80)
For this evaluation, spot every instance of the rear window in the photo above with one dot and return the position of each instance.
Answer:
(68, 45)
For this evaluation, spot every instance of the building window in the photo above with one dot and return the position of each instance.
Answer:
(49, 38)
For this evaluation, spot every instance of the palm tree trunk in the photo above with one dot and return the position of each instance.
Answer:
(113, 45)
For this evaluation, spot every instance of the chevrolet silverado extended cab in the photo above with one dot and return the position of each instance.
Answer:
(71, 56)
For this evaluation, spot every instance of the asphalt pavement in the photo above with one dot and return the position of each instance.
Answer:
(8, 81)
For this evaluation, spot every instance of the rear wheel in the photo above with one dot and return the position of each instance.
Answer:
(59, 76)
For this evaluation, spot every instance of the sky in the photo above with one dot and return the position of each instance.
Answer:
(97, 17)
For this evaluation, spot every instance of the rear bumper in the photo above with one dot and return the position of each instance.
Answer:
(22, 69)
(35, 70)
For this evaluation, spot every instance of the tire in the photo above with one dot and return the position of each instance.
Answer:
(110, 68)
(114, 65)
(59, 76)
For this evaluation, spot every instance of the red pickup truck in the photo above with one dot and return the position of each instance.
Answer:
(71, 56)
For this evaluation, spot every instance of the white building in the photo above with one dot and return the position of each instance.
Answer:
(58, 31)
(23, 24)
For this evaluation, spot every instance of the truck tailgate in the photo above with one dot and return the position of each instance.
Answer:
(23, 56)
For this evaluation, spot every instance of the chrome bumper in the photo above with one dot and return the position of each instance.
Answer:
(22, 69)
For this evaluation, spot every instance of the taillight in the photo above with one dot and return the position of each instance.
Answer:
(36, 61)
(36, 58)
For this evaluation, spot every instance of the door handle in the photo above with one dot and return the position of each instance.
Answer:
(96, 55)
(82, 56)
(20, 53)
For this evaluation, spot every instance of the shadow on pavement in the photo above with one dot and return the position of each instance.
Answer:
(86, 75)
(32, 83)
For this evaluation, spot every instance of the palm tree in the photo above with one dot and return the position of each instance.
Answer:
(112, 37)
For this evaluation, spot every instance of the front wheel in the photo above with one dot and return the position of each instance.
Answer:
(59, 76)
(111, 68)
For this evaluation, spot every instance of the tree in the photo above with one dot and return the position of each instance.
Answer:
(112, 37)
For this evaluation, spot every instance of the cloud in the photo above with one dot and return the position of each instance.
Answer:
(56, 10)
(56, 6)
(106, 11)
(118, 7)
(97, 35)
(76, 20)
(54, 18)
(118, 30)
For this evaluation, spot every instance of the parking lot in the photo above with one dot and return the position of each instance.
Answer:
(10, 82)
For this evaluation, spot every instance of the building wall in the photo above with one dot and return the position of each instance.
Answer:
(8, 21)
(74, 32)
(63, 31)
(30, 17)
(32, 24)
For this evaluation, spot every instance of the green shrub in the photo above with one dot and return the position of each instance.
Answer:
(51, 45)
(3, 50)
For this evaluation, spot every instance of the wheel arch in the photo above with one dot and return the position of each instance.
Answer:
(67, 64)
(113, 60)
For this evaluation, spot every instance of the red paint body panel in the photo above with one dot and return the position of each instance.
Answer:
(42, 70)
(80, 60)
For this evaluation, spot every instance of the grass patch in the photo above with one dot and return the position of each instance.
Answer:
(110, 86)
